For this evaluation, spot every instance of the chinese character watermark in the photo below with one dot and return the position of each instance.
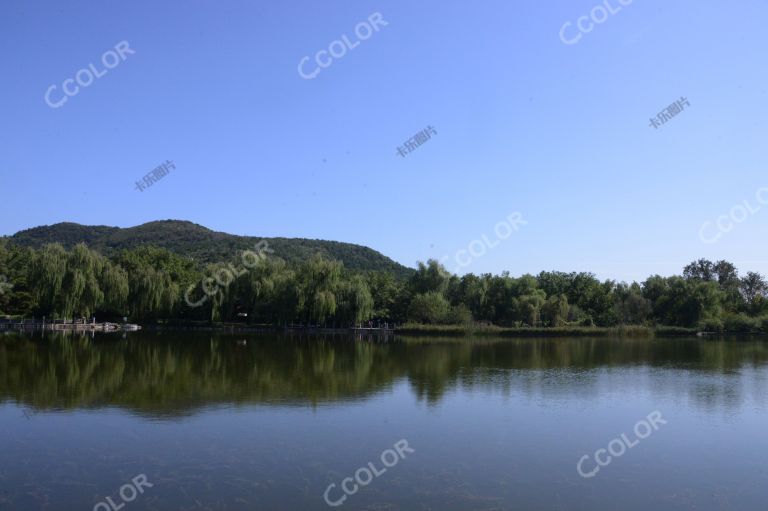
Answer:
(156, 175)
(668, 113)
(418, 139)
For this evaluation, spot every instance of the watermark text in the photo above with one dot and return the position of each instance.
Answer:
(70, 87)
(619, 446)
(365, 475)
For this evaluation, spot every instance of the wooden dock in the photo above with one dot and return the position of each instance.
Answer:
(64, 325)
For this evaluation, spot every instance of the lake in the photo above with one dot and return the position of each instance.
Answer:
(187, 421)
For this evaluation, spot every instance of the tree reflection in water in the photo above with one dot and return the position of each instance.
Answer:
(175, 374)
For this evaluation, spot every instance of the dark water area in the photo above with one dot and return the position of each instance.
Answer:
(236, 422)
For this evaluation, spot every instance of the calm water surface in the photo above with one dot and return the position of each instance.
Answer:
(216, 424)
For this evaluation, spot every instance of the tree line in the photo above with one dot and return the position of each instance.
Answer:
(149, 283)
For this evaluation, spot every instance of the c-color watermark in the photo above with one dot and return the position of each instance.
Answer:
(643, 429)
(338, 48)
(478, 248)
(736, 215)
(128, 493)
(364, 476)
(586, 24)
(85, 77)
(211, 285)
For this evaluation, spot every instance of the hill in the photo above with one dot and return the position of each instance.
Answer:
(203, 244)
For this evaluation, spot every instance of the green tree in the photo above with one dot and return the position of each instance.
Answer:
(529, 307)
(80, 290)
(473, 292)
(430, 277)
(318, 281)
(355, 301)
(754, 290)
(114, 283)
(47, 270)
(554, 312)
(631, 307)
(388, 294)
(430, 308)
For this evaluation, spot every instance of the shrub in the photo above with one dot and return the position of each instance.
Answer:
(712, 325)
(763, 323)
(458, 315)
(740, 323)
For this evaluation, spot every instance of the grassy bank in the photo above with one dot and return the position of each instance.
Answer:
(569, 331)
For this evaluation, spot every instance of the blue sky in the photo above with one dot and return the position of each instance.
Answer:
(525, 123)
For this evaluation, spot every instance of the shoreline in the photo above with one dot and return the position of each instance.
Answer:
(407, 330)
(576, 331)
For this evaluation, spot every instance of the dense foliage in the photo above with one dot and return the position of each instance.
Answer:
(149, 283)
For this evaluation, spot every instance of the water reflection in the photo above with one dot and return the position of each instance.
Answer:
(176, 374)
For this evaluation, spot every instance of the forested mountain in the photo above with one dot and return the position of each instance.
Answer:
(202, 244)
(182, 271)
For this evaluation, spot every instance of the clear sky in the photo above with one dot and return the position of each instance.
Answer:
(524, 123)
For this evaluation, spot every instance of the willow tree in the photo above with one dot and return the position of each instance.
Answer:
(267, 290)
(554, 312)
(317, 282)
(115, 284)
(157, 280)
(284, 305)
(430, 277)
(5, 285)
(152, 292)
(80, 289)
(4, 256)
(217, 296)
(45, 276)
(355, 301)
(529, 306)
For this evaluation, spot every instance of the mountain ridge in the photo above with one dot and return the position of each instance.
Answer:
(203, 244)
